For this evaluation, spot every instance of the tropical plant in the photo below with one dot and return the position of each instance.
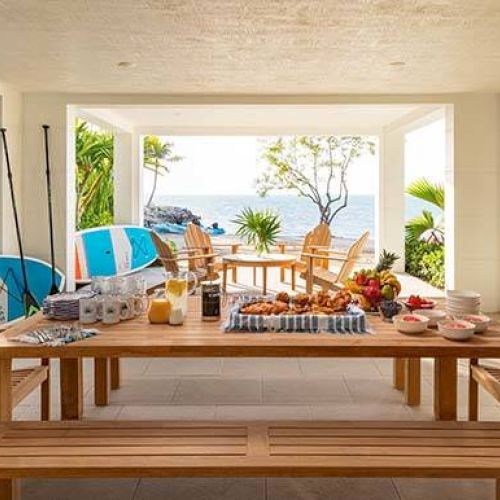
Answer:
(94, 176)
(314, 167)
(157, 155)
(424, 226)
(259, 228)
(426, 261)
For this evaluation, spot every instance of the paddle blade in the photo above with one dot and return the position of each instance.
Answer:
(31, 306)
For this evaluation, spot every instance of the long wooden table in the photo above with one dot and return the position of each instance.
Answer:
(138, 338)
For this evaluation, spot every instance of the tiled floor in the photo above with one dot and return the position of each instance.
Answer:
(223, 389)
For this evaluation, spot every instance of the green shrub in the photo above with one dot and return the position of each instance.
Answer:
(425, 261)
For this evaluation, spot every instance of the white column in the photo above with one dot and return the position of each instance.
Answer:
(137, 178)
(123, 179)
(390, 199)
(472, 182)
(50, 109)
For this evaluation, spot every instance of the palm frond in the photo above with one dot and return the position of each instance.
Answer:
(423, 227)
(259, 228)
(426, 190)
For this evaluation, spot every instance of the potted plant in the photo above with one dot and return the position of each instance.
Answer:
(258, 228)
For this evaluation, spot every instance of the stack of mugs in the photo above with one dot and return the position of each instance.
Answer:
(459, 302)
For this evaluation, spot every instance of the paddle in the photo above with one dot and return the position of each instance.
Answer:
(53, 287)
(30, 304)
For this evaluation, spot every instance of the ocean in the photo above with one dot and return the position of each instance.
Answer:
(298, 214)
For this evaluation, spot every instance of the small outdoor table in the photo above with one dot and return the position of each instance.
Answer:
(281, 260)
(196, 338)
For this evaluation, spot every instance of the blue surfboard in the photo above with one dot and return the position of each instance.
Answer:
(11, 284)
(112, 251)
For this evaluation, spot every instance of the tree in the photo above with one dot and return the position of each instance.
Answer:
(157, 155)
(314, 167)
(94, 176)
(424, 226)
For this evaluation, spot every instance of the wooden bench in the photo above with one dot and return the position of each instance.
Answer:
(170, 449)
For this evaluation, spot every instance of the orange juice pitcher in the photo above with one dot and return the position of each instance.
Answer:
(178, 286)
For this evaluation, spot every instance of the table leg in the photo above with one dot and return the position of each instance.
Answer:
(5, 390)
(115, 373)
(254, 276)
(282, 268)
(71, 388)
(45, 393)
(264, 280)
(292, 270)
(445, 388)
(101, 381)
(10, 489)
(398, 373)
(473, 393)
(224, 277)
(234, 270)
(412, 381)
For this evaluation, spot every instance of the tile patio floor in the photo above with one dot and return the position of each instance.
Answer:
(223, 389)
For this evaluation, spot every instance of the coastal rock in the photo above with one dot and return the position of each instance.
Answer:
(175, 215)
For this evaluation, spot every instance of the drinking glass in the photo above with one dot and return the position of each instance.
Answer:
(178, 286)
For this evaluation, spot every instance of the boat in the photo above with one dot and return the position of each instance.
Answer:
(172, 228)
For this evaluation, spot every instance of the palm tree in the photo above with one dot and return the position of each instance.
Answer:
(424, 227)
(156, 156)
(94, 176)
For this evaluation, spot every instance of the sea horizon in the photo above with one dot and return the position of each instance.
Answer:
(298, 214)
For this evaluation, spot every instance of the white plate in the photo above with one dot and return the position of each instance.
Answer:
(463, 294)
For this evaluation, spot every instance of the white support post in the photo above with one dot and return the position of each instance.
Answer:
(390, 198)
(137, 196)
(123, 176)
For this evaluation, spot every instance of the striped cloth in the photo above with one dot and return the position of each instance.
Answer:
(353, 321)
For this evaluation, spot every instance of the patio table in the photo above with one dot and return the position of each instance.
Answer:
(138, 338)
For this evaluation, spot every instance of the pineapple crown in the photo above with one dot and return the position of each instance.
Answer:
(386, 260)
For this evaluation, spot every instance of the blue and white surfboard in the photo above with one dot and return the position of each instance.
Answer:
(11, 284)
(112, 251)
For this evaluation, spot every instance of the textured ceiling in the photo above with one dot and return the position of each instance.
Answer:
(251, 46)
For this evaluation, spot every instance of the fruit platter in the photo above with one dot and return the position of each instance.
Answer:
(369, 287)
(332, 312)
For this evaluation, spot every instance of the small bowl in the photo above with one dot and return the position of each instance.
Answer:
(430, 305)
(464, 332)
(480, 321)
(418, 326)
(434, 315)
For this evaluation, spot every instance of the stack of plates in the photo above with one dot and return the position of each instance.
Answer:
(64, 306)
(462, 302)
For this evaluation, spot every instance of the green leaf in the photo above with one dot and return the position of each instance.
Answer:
(425, 190)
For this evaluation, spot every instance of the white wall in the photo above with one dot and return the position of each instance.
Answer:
(11, 118)
(472, 173)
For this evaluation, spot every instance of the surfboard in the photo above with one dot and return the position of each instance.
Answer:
(112, 251)
(11, 284)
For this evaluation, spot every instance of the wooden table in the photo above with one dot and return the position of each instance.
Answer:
(137, 338)
(265, 261)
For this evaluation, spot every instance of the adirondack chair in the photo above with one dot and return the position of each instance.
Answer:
(315, 240)
(171, 261)
(317, 275)
(199, 243)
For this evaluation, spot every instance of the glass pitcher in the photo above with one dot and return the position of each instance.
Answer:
(178, 286)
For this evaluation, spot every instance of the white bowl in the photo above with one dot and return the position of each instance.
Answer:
(480, 321)
(456, 311)
(464, 333)
(466, 295)
(434, 315)
(411, 326)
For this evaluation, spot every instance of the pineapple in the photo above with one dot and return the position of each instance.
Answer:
(386, 261)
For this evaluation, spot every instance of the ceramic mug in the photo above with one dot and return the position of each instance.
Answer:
(111, 311)
(127, 307)
(88, 311)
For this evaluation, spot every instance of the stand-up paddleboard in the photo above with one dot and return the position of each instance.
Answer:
(39, 275)
(112, 251)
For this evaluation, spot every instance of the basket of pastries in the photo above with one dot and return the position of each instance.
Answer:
(332, 312)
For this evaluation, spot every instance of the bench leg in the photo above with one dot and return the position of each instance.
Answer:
(10, 489)
(71, 389)
(398, 373)
(445, 388)
(412, 381)
(101, 381)
(5, 390)
(45, 393)
(497, 496)
(115, 373)
(473, 394)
